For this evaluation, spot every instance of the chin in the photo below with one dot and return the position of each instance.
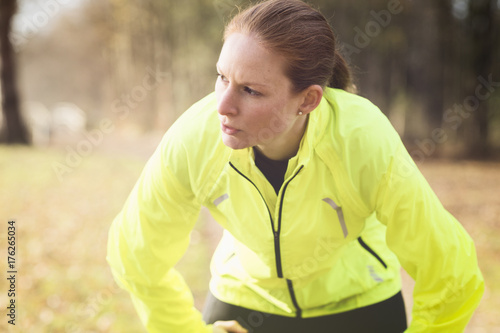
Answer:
(234, 143)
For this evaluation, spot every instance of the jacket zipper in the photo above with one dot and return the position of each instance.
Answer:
(251, 182)
(276, 233)
(370, 250)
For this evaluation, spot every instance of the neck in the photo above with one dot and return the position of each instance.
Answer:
(287, 146)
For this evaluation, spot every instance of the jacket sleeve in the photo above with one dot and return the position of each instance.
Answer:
(147, 239)
(432, 247)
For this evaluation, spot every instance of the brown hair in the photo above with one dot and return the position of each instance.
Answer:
(302, 35)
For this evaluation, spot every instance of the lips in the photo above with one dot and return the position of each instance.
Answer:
(228, 129)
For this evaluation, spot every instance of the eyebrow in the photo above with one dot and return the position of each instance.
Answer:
(243, 83)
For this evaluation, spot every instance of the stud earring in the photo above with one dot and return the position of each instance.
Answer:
(300, 113)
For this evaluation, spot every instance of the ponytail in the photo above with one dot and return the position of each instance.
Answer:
(341, 77)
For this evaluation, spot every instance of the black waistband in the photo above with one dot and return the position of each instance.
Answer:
(388, 316)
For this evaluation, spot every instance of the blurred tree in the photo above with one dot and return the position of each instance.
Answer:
(481, 22)
(421, 62)
(13, 129)
(178, 41)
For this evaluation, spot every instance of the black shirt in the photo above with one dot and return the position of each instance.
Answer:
(273, 170)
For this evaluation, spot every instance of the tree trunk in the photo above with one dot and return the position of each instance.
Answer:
(481, 25)
(13, 129)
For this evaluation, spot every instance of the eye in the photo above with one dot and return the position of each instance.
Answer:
(252, 92)
(222, 77)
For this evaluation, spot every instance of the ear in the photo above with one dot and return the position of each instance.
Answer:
(311, 98)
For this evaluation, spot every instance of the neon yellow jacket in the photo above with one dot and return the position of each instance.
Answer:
(352, 208)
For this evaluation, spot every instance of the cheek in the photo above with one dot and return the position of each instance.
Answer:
(267, 122)
(279, 122)
(279, 118)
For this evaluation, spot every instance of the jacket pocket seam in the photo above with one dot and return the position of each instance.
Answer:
(371, 252)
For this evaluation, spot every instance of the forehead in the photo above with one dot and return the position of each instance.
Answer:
(243, 57)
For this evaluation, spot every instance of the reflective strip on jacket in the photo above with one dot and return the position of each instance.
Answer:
(353, 206)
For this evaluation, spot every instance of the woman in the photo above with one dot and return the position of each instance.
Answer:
(318, 197)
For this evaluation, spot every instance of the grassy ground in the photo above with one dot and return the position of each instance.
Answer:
(64, 284)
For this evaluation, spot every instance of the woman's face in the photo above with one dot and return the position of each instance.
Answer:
(255, 102)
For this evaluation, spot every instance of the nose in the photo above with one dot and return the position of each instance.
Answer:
(226, 102)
